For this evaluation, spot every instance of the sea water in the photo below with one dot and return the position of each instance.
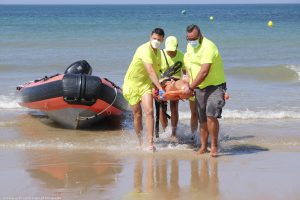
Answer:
(262, 64)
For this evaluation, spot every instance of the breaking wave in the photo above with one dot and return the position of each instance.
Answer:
(262, 114)
(279, 73)
(251, 114)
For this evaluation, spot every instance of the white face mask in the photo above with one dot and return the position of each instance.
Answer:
(194, 43)
(155, 43)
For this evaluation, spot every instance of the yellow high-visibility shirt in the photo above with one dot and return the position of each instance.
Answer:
(137, 74)
(206, 52)
(171, 61)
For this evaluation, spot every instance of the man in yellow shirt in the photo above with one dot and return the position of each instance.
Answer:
(204, 64)
(140, 77)
(169, 56)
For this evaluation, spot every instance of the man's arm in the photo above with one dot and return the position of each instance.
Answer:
(185, 76)
(152, 75)
(201, 75)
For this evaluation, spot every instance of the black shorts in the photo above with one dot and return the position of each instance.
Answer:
(210, 101)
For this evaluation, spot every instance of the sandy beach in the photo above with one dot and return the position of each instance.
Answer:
(52, 163)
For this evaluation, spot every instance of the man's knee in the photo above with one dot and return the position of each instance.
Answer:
(137, 113)
(194, 113)
(138, 116)
(203, 125)
(211, 118)
(149, 112)
(174, 108)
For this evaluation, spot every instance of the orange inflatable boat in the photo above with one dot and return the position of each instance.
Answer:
(75, 99)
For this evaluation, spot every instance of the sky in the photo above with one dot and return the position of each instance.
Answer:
(144, 1)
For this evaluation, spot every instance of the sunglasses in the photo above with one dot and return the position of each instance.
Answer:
(192, 39)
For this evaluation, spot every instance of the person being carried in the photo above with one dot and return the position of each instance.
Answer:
(204, 62)
(140, 77)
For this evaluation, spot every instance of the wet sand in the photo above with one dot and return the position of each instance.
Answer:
(42, 161)
(100, 175)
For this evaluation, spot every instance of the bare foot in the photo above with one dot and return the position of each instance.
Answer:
(140, 147)
(140, 139)
(214, 152)
(173, 138)
(202, 150)
(151, 148)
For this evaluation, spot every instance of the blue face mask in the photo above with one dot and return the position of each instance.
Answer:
(194, 43)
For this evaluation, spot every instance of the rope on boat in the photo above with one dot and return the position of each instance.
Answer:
(91, 117)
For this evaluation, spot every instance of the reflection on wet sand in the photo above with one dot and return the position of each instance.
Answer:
(74, 171)
(160, 179)
(57, 169)
(65, 168)
(204, 179)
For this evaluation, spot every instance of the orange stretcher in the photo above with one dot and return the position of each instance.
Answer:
(174, 90)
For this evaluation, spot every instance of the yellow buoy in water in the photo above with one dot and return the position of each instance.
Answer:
(270, 24)
(211, 18)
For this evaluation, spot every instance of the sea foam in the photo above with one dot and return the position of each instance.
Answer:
(262, 114)
(295, 68)
(9, 102)
(245, 114)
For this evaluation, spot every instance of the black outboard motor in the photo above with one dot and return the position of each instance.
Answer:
(79, 67)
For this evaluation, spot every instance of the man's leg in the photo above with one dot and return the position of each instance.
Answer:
(215, 103)
(174, 116)
(203, 138)
(210, 103)
(147, 103)
(201, 101)
(162, 115)
(157, 115)
(194, 116)
(137, 118)
(213, 128)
